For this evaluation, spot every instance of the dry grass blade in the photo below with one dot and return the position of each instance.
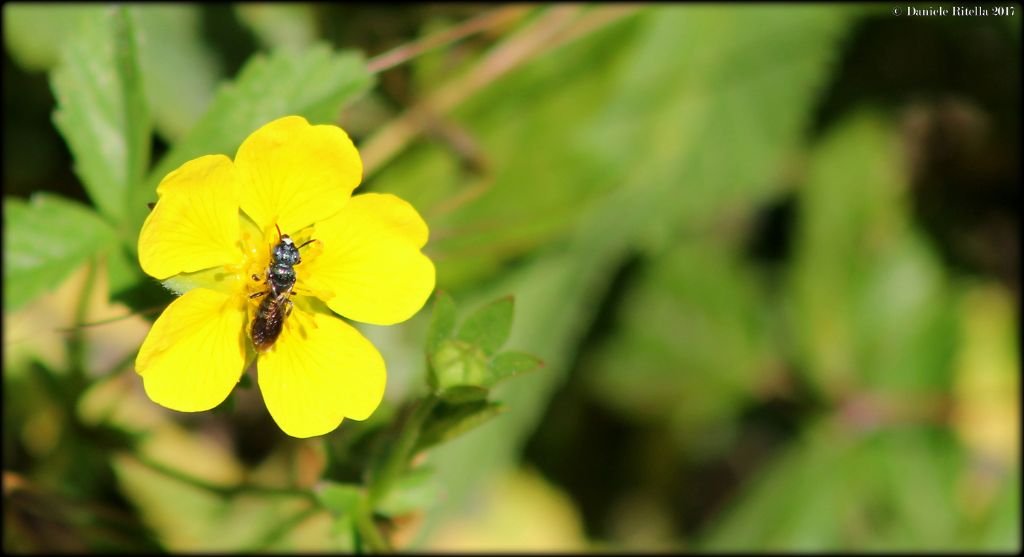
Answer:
(557, 26)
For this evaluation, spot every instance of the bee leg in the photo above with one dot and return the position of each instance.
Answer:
(257, 295)
(288, 311)
(256, 277)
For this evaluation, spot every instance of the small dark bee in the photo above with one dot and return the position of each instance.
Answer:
(277, 304)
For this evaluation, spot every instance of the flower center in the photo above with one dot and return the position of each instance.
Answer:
(257, 249)
(255, 262)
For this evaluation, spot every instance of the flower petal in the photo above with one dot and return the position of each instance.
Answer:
(195, 352)
(371, 268)
(319, 371)
(296, 174)
(194, 225)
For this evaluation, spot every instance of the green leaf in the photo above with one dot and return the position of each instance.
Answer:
(290, 26)
(511, 364)
(339, 498)
(314, 83)
(747, 92)
(417, 489)
(101, 108)
(458, 363)
(342, 501)
(563, 123)
(855, 254)
(892, 490)
(489, 326)
(915, 475)
(1001, 531)
(134, 288)
(344, 528)
(123, 271)
(442, 321)
(464, 393)
(689, 345)
(202, 520)
(45, 239)
(34, 33)
(130, 286)
(448, 421)
(790, 504)
(178, 68)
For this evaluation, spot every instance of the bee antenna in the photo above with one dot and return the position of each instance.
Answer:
(309, 241)
(279, 235)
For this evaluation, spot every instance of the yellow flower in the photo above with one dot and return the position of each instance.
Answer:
(212, 231)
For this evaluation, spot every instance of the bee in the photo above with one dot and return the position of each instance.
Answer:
(277, 303)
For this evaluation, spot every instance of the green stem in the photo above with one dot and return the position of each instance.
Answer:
(282, 529)
(396, 462)
(368, 532)
(223, 490)
(110, 319)
(398, 458)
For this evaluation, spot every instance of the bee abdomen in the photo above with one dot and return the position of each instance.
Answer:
(267, 324)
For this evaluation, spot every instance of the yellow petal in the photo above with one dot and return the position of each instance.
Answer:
(194, 225)
(295, 174)
(195, 352)
(319, 371)
(370, 268)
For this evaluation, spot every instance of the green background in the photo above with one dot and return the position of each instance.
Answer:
(768, 255)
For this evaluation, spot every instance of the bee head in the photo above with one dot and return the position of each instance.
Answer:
(286, 252)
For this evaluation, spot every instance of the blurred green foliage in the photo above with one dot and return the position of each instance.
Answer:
(718, 229)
